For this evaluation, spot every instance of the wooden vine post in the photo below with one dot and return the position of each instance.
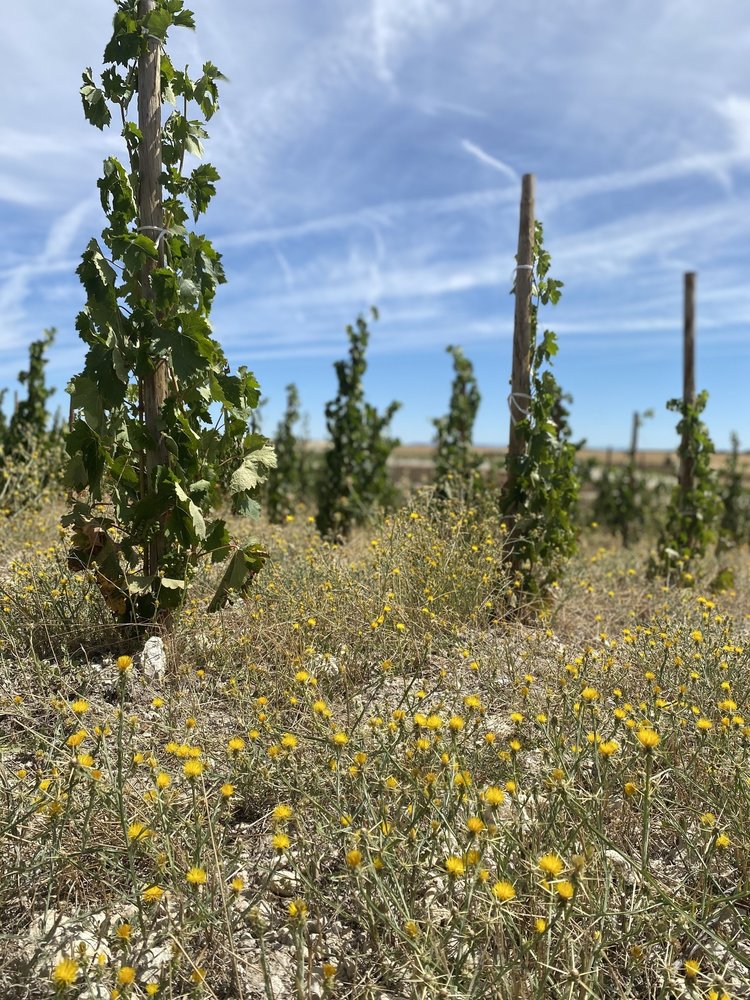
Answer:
(520, 381)
(633, 453)
(153, 386)
(688, 379)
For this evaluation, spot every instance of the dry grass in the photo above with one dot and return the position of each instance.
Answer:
(360, 785)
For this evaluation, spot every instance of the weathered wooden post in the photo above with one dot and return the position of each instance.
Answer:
(688, 378)
(633, 453)
(520, 381)
(154, 385)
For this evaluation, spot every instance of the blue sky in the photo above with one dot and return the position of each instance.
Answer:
(371, 152)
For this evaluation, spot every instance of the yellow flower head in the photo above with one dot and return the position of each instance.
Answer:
(493, 796)
(565, 890)
(297, 909)
(551, 864)
(503, 891)
(65, 972)
(454, 866)
(692, 968)
(137, 831)
(648, 738)
(280, 841)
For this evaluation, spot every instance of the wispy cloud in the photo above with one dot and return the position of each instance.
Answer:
(16, 282)
(735, 110)
(484, 157)
(372, 151)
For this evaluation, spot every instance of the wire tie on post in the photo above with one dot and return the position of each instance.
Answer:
(521, 267)
(521, 412)
(157, 229)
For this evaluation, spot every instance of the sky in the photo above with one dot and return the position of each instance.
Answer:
(371, 153)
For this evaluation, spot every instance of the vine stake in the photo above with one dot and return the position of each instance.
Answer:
(520, 382)
(151, 214)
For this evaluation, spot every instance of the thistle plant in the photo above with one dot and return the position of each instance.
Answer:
(354, 475)
(159, 422)
(456, 464)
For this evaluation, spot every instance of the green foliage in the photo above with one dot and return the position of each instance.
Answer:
(289, 481)
(30, 419)
(31, 452)
(354, 476)
(734, 525)
(148, 298)
(456, 464)
(693, 511)
(618, 505)
(541, 490)
(625, 501)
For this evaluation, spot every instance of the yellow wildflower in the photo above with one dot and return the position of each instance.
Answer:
(503, 891)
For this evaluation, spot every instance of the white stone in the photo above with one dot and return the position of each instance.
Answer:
(154, 960)
(95, 991)
(154, 659)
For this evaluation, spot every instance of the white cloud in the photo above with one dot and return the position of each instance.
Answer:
(484, 157)
(55, 257)
(357, 145)
(735, 110)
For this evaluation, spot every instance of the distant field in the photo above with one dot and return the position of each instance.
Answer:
(646, 459)
(413, 462)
